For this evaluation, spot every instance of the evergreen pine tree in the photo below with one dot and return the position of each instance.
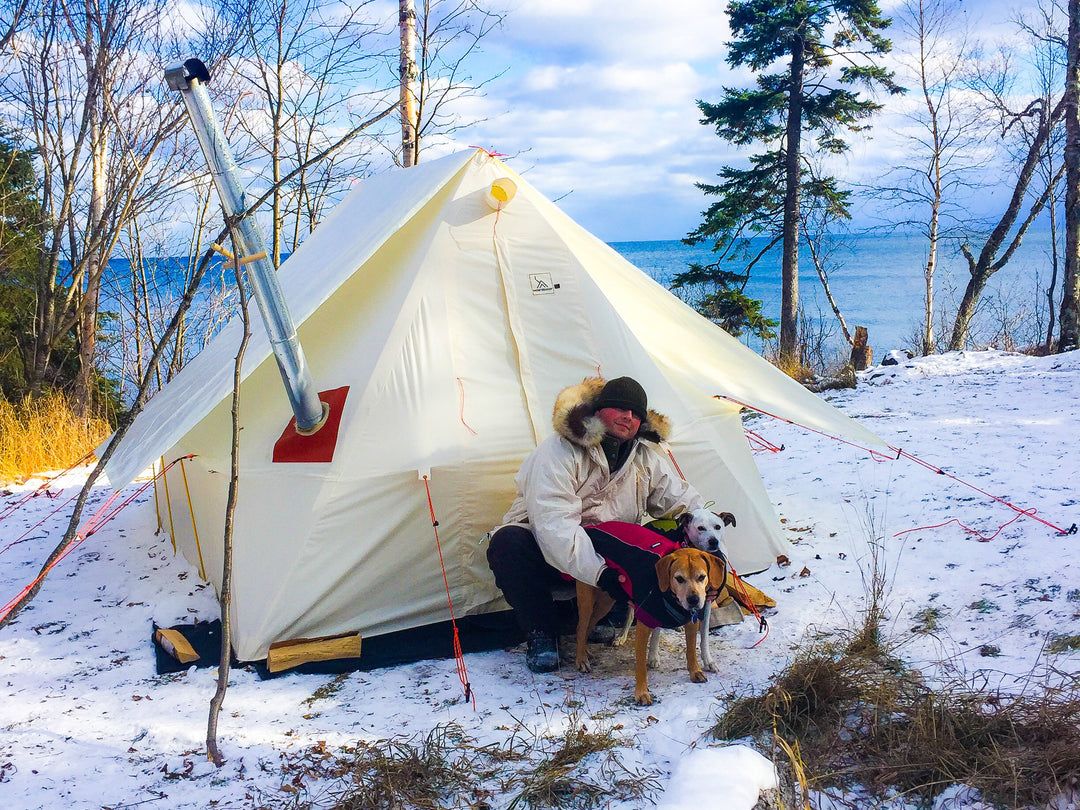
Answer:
(20, 239)
(829, 48)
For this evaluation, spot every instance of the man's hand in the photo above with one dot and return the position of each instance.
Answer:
(610, 581)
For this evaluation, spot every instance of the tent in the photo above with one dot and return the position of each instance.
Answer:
(443, 321)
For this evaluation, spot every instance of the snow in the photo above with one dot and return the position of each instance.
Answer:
(86, 723)
(735, 772)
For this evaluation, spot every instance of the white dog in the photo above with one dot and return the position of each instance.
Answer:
(704, 530)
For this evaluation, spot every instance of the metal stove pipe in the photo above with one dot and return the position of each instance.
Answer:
(190, 79)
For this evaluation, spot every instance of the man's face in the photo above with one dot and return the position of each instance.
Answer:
(621, 424)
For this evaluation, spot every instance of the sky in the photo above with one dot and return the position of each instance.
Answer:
(597, 106)
(86, 723)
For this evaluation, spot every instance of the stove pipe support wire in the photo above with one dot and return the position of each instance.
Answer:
(191, 78)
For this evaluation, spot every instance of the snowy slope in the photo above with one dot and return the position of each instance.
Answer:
(86, 723)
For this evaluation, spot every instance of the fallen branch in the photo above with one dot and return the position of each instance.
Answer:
(151, 368)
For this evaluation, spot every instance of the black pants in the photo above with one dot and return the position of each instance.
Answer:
(527, 581)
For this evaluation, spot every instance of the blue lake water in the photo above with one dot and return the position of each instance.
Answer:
(878, 283)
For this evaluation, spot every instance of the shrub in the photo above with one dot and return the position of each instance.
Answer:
(44, 434)
(860, 719)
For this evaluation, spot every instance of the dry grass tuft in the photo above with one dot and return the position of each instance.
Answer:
(393, 773)
(830, 378)
(44, 434)
(861, 718)
(446, 768)
(559, 779)
(794, 368)
(384, 775)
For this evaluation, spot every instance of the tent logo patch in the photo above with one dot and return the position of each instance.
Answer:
(541, 284)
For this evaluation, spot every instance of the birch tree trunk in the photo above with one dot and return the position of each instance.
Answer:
(95, 266)
(934, 176)
(407, 76)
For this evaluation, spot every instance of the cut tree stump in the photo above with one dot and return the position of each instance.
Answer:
(862, 356)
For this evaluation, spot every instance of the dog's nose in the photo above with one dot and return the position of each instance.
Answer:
(692, 600)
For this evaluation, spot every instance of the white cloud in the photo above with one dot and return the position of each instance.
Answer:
(630, 29)
(597, 106)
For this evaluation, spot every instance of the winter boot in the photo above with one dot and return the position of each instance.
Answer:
(542, 653)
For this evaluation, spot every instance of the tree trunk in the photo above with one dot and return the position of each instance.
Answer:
(225, 596)
(277, 103)
(966, 311)
(1054, 268)
(407, 75)
(83, 394)
(88, 306)
(862, 354)
(931, 266)
(835, 307)
(1070, 294)
(42, 342)
(934, 176)
(789, 296)
(988, 263)
(49, 322)
(823, 277)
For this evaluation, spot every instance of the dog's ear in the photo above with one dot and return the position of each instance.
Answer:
(684, 519)
(663, 572)
(717, 571)
(727, 518)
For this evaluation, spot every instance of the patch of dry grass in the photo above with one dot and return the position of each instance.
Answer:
(44, 434)
(793, 367)
(394, 773)
(817, 380)
(860, 718)
(558, 779)
(446, 768)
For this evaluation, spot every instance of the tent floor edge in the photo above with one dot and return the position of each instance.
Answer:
(477, 633)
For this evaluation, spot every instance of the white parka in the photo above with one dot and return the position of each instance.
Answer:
(564, 484)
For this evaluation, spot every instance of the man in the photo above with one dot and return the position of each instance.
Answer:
(602, 463)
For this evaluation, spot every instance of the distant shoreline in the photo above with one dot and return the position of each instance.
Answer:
(878, 282)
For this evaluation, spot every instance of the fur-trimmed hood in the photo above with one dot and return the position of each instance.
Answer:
(575, 419)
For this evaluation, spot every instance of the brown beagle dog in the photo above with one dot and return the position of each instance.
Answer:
(686, 574)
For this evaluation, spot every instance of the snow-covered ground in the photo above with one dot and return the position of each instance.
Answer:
(86, 723)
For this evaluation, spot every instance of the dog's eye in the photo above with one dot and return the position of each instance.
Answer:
(680, 579)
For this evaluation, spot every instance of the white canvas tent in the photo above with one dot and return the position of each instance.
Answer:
(453, 325)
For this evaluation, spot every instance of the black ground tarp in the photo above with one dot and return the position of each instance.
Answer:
(489, 631)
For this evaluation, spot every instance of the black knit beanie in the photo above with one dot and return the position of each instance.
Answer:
(626, 394)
